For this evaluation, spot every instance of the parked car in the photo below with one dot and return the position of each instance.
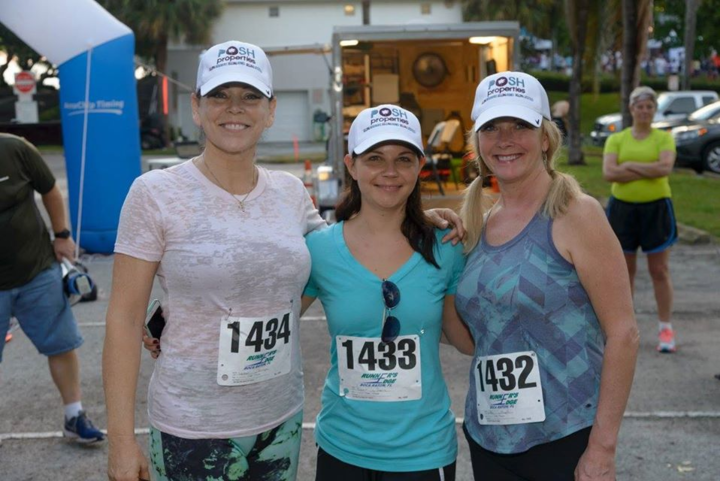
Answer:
(709, 112)
(698, 145)
(671, 106)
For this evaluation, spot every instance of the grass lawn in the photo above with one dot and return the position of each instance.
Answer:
(696, 199)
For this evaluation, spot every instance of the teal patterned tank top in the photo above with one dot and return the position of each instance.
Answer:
(524, 296)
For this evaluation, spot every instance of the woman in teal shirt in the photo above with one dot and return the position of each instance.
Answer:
(387, 285)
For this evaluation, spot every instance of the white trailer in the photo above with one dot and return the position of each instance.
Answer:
(429, 69)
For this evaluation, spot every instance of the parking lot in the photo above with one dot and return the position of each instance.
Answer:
(671, 430)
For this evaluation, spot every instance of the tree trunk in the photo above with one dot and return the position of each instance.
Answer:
(629, 54)
(579, 12)
(691, 8)
(636, 19)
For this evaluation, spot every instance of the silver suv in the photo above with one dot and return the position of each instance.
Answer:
(671, 105)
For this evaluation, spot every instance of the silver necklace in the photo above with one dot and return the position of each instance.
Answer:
(241, 202)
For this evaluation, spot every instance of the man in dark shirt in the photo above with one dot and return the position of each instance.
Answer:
(31, 286)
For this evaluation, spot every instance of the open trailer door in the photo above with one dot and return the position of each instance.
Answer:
(431, 70)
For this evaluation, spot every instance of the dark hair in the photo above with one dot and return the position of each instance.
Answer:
(415, 227)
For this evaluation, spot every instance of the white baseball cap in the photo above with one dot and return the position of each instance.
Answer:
(381, 124)
(234, 61)
(510, 94)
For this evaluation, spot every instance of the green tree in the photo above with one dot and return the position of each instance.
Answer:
(536, 16)
(156, 22)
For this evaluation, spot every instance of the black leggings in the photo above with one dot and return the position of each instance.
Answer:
(330, 468)
(553, 461)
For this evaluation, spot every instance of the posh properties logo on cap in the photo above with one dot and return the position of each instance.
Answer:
(235, 61)
(507, 86)
(510, 94)
(389, 116)
(381, 124)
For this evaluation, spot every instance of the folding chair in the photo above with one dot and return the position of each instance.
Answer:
(433, 143)
(443, 161)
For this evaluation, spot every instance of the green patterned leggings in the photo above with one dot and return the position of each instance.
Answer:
(269, 456)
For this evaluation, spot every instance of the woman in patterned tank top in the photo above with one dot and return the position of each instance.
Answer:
(547, 299)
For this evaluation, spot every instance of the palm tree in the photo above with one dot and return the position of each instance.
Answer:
(577, 13)
(156, 22)
(691, 8)
(637, 15)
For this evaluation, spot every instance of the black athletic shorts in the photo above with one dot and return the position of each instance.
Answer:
(553, 461)
(649, 225)
(329, 468)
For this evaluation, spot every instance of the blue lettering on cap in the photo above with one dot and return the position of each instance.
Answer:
(399, 113)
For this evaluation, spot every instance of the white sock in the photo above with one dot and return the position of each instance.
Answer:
(72, 409)
(664, 325)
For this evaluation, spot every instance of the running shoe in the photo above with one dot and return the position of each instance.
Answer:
(82, 430)
(666, 341)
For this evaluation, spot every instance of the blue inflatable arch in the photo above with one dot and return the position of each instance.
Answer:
(98, 105)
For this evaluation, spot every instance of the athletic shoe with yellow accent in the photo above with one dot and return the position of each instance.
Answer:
(666, 342)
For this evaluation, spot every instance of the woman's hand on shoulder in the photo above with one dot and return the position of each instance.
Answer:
(442, 218)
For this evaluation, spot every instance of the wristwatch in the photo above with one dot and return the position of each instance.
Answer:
(63, 234)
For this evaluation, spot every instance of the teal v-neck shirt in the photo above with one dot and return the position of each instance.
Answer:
(393, 436)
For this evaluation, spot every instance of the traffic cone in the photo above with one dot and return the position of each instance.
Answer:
(308, 181)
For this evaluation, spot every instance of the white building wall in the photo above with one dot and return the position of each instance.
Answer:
(298, 23)
(400, 13)
(302, 23)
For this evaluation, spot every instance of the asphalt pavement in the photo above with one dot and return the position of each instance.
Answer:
(671, 429)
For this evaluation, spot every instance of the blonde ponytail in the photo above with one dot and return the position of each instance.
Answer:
(472, 212)
(563, 188)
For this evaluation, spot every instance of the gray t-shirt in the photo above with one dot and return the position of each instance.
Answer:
(218, 261)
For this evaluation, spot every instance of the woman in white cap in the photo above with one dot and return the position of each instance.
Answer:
(387, 286)
(638, 161)
(226, 239)
(545, 295)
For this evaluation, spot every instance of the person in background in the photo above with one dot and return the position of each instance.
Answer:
(638, 161)
(31, 283)
(546, 298)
